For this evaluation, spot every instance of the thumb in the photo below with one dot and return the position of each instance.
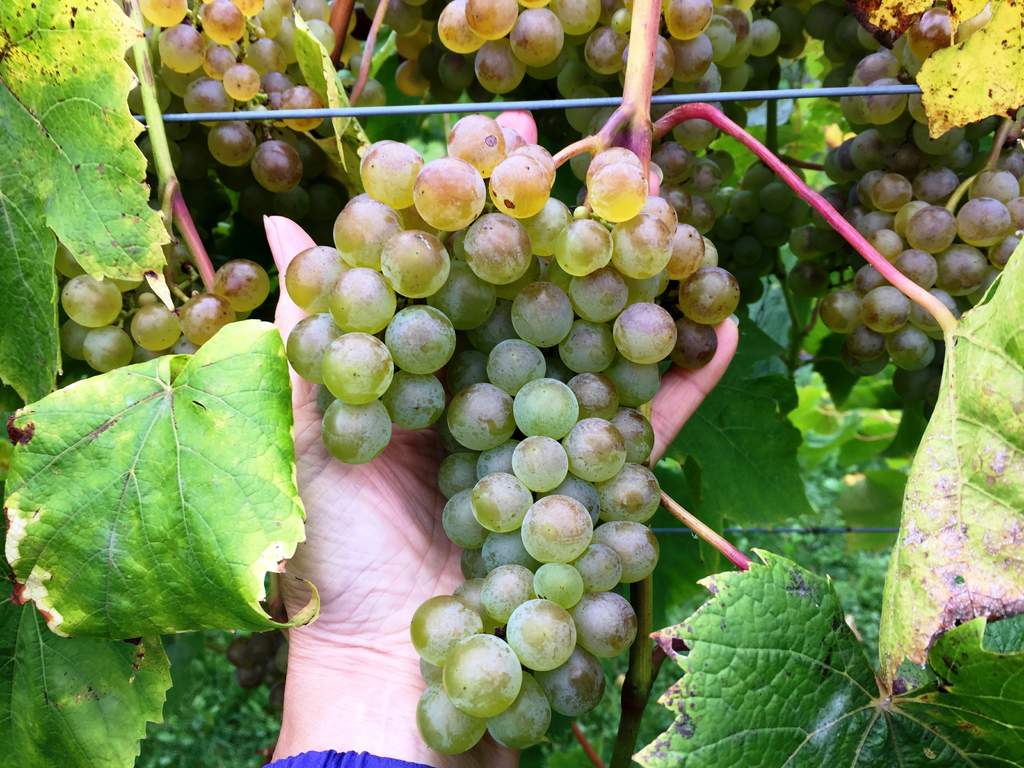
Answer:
(287, 239)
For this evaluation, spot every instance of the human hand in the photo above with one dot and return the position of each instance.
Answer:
(376, 550)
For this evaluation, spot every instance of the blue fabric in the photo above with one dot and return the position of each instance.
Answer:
(332, 759)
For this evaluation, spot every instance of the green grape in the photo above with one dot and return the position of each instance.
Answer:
(520, 185)
(181, 48)
(604, 49)
(605, 623)
(480, 417)
(415, 263)
(637, 433)
(469, 592)
(361, 300)
(634, 543)
(918, 266)
(505, 589)
(505, 549)
(466, 299)
(497, 328)
(512, 363)
(232, 144)
(641, 246)
(90, 302)
(692, 59)
(430, 673)
(526, 721)
(449, 194)
(542, 634)
(537, 37)
(540, 463)
(644, 333)
(617, 192)
(443, 726)
(155, 328)
(311, 276)
(559, 583)
(497, 248)
(107, 348)
(599, 296)
(203, 315)
(578, 17)
(583, 246)
(243, 283)
(890, 192)
(164, 13)
(864, 344)
(961, 269)
(588, 348)
(632, 494)
(497, 459)
(575, 687)
(388, 171)
(545, 407)
(840, 311)
(595, 394)
(695, 344)
(885, 309)
(307, 343)
(464, 369)
(460, 523)
(482, 676)
(595, 449)
(265, 55)
(414, 401)
(356, 434)
(362, 228)
(931, 229)
(72, 336)
(983, 221)
(709, 295)
(556, 529)
(599, 567)
(439, 624)
(685, 19)
(541, 314)
(910, 348)
(66, 264)
(500, 502)
(999, 185)
(457, 473)
(546, 226)
(867, 278)
(497, 68)
(357, 368)
(421, 339)
(636, 384)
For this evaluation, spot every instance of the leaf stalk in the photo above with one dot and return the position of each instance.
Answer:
(705, 532)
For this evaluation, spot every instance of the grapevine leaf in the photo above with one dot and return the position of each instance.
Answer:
(890, 15)
(979, 76)
(774, 678)
(742, 440)
(68, 138)
(349, 137)
(153, 499)
(76, 703)
(959, 551)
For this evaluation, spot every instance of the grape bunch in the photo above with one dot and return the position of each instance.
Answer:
(529, 337)
(260, 659)
(111, 323)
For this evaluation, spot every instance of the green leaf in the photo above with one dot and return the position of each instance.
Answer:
(958, 554)
(742, 440)
(774, 678)
(70, 167)
(871, 500)
(76, 703)
(349, 137)
(153, 499)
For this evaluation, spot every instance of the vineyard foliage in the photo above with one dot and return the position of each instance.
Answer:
(155, 498)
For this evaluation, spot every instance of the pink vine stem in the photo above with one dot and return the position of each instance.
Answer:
(704, 531)
(189, 233)
(367, 58)
(588, 748)
(906, 286)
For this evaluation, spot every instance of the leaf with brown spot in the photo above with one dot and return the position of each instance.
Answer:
(893, 16)
(960, 551)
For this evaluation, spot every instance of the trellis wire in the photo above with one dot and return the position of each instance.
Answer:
(810, 531)
(399, 110)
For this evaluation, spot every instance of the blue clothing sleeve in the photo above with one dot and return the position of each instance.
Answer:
(332, 759)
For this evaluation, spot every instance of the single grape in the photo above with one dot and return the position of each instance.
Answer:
(454, 31)
(931, 229)
(491, 19)
(604, 49)
(497, 68)
(922, 318)
(595, 449)
(232, 144)
(961, 269)
(885, 309)
(559, 583)
(605, 623)
(443, 726)
(541, 314)
(154, 327)
(637, 433)
(457, 473)
(540, 463)
(641, 246)
(864, 344)
(415, 263)
(222, 21)
(414, 401)
(497, 248)
(918, 266)
(164, 13)
(542, 634)
(600, 296)
(500, 501)
(595, 394)
(632, 494)
(840, 311)
(634, 543)
(910, 348)
(526, 721)
(356, 434)
(480, 417)
(107, 348)
(578, 17)
(519, 185)
(466, 299)
(449, 193)
(276, 166)
(537, 37)
(357, 368)
(545, 227)
(72, 336)
(512, 363)
(983, 221)
(583, 246)
(695, 345)
(311, 276)
(505, 589)
(90, 302)
(439, 624)
(544, 407)
(575, 687)
(361, 300)
(644, 333)
(482, 675)
(496, 328)
(635, 384)
(203, 315)
(599, 567)
(389, 170)
(618, 191)
(181, 48)
(687, 252)
(709, 295)
(243, 283)
(465, 369)
(589, 347)
(307, 343)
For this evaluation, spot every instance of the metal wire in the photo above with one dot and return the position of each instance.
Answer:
(399, 110)
(813, 531)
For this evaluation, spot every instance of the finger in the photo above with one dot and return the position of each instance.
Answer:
(287, 239)
(521, 122)
(682, 391)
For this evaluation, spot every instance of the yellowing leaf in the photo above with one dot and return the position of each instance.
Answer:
(978, 77)
(890, 15)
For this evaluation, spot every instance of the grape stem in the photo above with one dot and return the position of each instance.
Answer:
(795, 162)
(187, 228)
(367, 58)
(588, 748)
(716, 540)
(997, 143)
(638, 82)
(590, 144)
(910, 289)
(636, 688)
(341, 12)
